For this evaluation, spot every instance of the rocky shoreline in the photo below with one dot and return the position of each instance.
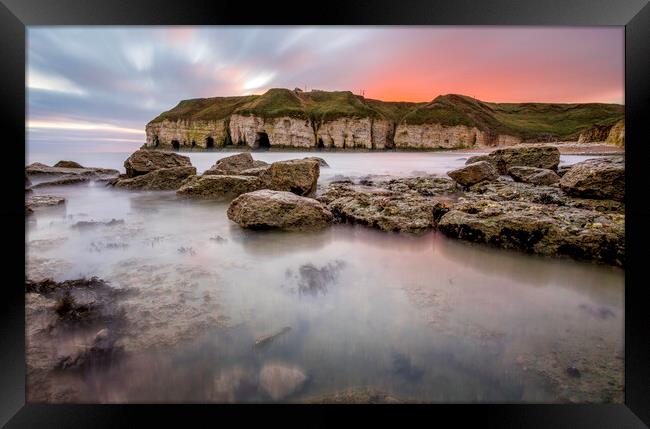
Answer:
(513, 198)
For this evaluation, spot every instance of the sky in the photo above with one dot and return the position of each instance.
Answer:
(94, 88)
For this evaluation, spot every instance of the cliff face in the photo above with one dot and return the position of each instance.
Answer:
(186, 133)
(341, 120)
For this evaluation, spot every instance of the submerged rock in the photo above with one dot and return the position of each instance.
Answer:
(266, 209)
(232, 165)
(162, 179)
(596, 178)
(280, 381)
(297, 175)
(68, 164)
(218, 187)
(536, 176)
(85, 224)
(266, 340)
(144, 161)
(356, 395)
(474, 173)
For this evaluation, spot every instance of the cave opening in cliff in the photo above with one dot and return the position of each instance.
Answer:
(262, 141)
(176, 145)
(321, 144)
(209, 143)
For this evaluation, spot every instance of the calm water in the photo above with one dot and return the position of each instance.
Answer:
(423, 318)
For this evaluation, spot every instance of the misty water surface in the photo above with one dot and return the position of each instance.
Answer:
(423, 318)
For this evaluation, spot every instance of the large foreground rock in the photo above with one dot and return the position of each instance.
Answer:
(232, 165)
(163, 179)
(596, 178)
(535, 176)
(474, 173)
(266, 209)
(144, 161)
(218, 187)
(297, 175)
(38, 168)
(547, 157)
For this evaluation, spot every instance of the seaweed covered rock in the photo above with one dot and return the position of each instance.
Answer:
(474, 173)
(218, 187)
(533, 175)
(266, 209)
(381, 208)
(160, 180)
(144, 161)
(596, 178)
(538, 228)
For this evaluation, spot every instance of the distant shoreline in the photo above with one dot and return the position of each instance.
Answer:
(572, 148)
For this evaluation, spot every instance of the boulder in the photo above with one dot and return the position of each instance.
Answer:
(297, 175)
(266, 209)
(535, 176)
(144, 161)
(474, 173)
(68, 164)
(602, 178)
(232, 165)
(280, 381)
(527, 156)
(159, 180)
(218, 187)
(477, 158)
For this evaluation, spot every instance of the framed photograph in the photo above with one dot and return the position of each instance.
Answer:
(431, 207)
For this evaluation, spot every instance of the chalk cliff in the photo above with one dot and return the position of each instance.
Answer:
(281, 118)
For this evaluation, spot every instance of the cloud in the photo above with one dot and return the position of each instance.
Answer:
(109, 79)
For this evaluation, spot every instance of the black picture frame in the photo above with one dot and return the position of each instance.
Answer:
(15, 15)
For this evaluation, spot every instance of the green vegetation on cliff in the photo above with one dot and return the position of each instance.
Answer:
(526, 120)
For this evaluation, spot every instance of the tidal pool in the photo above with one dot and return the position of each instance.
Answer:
(422, 318)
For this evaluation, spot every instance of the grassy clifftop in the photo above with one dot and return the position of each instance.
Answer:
(525, 120)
